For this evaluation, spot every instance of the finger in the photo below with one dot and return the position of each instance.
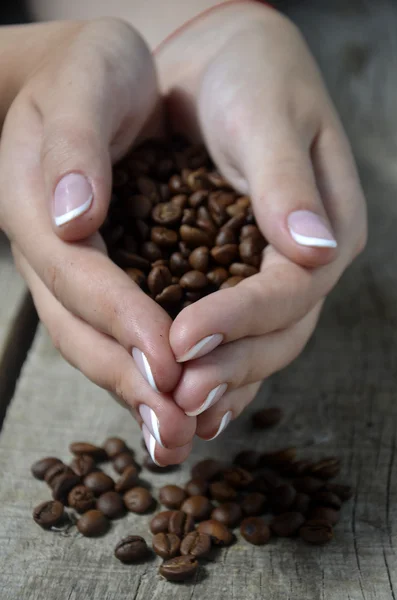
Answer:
(103, 91)
(231, 366)
(214, 421)
(108, 365)
(161, 456)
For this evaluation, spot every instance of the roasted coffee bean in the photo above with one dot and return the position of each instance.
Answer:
(287, 524)
(345, 492)
(297, 468)
(81, 498)
(250, 231)
(316, 531)
(127, 480)
(278, 458)
(178, 264)
(164, 168)
(231, 282)
(172, 496)
(177, 185)
(197, 180)
(204, 221)
(97, 453)
(217, 276)
(62, 485)
(131, 549)
(138, 206)
(326, 468)
(224, 255)
(166, 213)
(158, 279)
(93, 523)
(166, 545)
(150, 251)
(255, 531)
(196, 544)
(219, 533)
(180, 201)
(111, 504)
(141, 231)
(324, 498)
(282, 498)
(253, 504)
(247, 459)
(217, 203)
(138, 500)
(160, 522)
(98, 482)
(194, 237)
(40, 467)
(301, 503)
(114, 446)
(122, 461)
(324, 513)
(189, 217)
(82, 465)
(265, 481)
(170, 295)
(113, 235)
(127, 259)
(179, 568)
(120, 178)
(207, 469)
(267, 417)
(217, 180)
(199, 507)
(199, 259)
(222, 491)
(193, 281)
(237, 477)
(148, 188)
(308, 485)
(184, 249)
(227, 236)
(229, 513)
(163, 237)
(55, 471)
(197, 487)
(180, 523)
(48, 514)
(198, 198)
(242, 270)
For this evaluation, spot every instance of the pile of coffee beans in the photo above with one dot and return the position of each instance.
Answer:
(296, 495)
(177, 227)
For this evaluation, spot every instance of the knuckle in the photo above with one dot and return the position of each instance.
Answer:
(63, 136)
(53, 276)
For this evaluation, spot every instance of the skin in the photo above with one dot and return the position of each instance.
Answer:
(272, 131)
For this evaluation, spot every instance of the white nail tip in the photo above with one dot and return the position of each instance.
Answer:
(223, 424)
(212, 397)
(141, 358)
(214, 340)
(152, 448)
(156, 427)
(73, 214)
(305, 240)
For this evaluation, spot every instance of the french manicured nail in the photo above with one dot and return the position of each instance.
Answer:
(214, 395)
(72, 197)
(202, 347)
(223, 424)
(150, 444)
(309, 229)
(143, 365)
(151, 421)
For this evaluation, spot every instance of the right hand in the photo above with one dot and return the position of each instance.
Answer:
(78, 113)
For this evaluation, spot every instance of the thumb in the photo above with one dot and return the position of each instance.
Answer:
(104, 90)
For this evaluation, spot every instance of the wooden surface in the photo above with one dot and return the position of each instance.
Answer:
(339, 397)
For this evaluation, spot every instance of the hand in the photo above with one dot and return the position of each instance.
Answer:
(78, 112)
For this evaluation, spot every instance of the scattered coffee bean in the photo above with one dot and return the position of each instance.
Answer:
(324, 498)
(219, 533)
(62, 485)
(207, 469)
(159, 278)
(345, 492)
(278, 459)
(81, 499)
(93, 523)
(217, 276)
(40, 467)
(160, 522)
(316, 531)
(48, 514)
(326, 468)
(180, 523)
(229, 513)
(287, 524)
(131, 549)
(237, 477)
(199, 507)
(247, 459)
(56, 471)
(138, 500)
(197, 487)
(97, 453)
(128, 479)
(325, 514)
(301, 503)
(111, 504)
(193, 281)
(308, 485)
(179, 568)
(283, 498)
(166, 545)
(268, 417)
(82, 465)
(231, 282)
(114, 446)
(255, 531)
(222, 491)
(242, 270)
(297, 468)
(196, 544)
(98, 482)
(123, 460)
(172, 496)
(253, 504)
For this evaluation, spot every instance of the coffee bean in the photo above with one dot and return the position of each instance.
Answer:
(98, 482)
(282, 498)
(287, 524)
(326, 468)
(189, 216)
(158, 279)
(127, 480)
(148, 188)
(316, 531)
(163, 237)
(217, 180)
(219, 533)
(255, 531)
(217, 203)
(265, 481)
(229, 513)
(237, 477)
(205, 223)
(55, 471)
(178, 264)
(93, 523)
(227, 236)
(301, 503)
(180, 523)
(207, 469)
(193, 280)
(324, 498)
(307, 485)
(253, 504)
(235, 223)
(184, 249)
(127, 259)
(179, 568)
(198, 198)
(180, 201)
(194, 237)
(247, 255)
(40, 467)
(345, 492)
(141, 231)
(166, 213)
(131, 549)
(96, 452)
(138, 500)
(231, 282)
(247, 459)
(197, 487)
(199, 259)
(172, 496)
(81, 498)
(297, 468)
(170, 295)
(217, 276)
(278, 458)
(62, 485)
(177, 185)
(138, 206)
(114, 446)
(166, 545)
(82, 465)
(325, 514)
(225, 255)
(48, 514)
(122, 461)
(150, 251)
(267, 417)
(199, 507)
(242, 270)
(197, 180)
(250, 231)
(196, 544)
(111, 504)
(222, 491)
(160, 522)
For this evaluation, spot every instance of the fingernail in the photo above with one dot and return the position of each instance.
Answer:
(150, 444)
(309, 229)
(143, 365)
(212, 397)
(202, 347)
(223, 424)
(72, 197)
(151, 421)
